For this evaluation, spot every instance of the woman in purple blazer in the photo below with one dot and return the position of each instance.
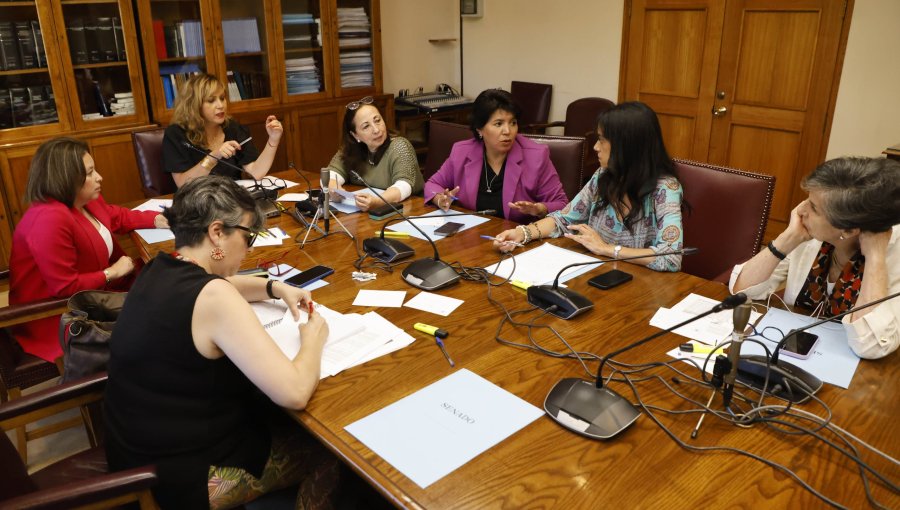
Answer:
(498, 169)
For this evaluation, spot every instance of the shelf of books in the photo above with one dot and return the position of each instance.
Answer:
(101, 63)
(304, 55)
(29, 79)
(355, 43)
(248, 61)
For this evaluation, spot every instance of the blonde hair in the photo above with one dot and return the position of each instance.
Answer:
(189, 103)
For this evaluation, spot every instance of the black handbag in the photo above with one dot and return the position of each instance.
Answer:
(84, 331)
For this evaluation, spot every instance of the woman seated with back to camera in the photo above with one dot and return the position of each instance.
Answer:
(498, 169)
(632, 204)
(841, 249)
(188, 359)
(65, 242)
(386, 162)
(202, 133)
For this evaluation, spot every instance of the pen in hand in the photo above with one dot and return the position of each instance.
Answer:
(245, 141)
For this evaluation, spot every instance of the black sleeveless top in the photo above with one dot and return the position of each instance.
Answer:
(166, 404)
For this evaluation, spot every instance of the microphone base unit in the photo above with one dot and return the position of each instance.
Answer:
(583, 408)
(387, 250)
(786, 381)
(559, 301)
(430, 274)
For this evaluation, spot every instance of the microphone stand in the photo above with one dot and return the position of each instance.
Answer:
(566, 303)
(325, 211)
(590, 409)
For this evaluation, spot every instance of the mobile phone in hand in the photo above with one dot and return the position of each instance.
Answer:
(448, 229)
(310, 275)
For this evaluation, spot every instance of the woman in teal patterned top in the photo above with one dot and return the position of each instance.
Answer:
(632, 204)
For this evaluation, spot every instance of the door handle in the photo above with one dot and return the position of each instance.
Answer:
(719, 111)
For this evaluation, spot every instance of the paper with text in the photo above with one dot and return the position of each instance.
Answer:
(540, 265)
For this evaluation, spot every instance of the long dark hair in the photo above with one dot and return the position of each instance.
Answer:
(354, 154)
(637, 158)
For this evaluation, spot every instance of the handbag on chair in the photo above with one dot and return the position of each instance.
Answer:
(84, 331)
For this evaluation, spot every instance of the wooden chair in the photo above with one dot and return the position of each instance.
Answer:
(534, 100)
(20, 370)
(81, 480)
(148, 152)
(728, 216)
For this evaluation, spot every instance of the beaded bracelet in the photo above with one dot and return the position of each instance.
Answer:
(540, 235)
(526, 234)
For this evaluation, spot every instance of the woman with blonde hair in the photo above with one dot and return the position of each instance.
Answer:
(201, 124)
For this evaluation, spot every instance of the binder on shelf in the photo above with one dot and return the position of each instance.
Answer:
(21, 110)
(241, 86)
(92, 41)
(77, 41)
(6, 120)
(173, 48)
(27, 53)
(119, 40)
(106, 40)
(159, 36)
(9, 52)
(41, 54)
(234, 93)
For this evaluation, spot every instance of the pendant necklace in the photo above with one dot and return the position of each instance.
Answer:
(488, 183)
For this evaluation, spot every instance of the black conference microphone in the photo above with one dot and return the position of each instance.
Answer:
(786, 380)
(565, 303)
(425, 274)
(390, 250)
(589, 409)
(740, 317)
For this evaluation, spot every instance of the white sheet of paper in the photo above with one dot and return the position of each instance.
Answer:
(287, 336)
(154, 204)
(274, 239)
(293, 197)
(439, 428)
(387, 298)
(434, 303)
(155, 235)
(429, 222)
(710, 330)
(540, 265)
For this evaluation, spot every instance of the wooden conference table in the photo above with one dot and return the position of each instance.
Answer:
(544, 465)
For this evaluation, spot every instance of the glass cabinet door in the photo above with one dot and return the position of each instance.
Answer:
(28, 98)
(246, 46)
(305, 59)
(104, 74)
(354, 40)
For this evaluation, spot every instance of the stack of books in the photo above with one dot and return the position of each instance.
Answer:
(183, 39)
(303, 75)
(122, 103)
(173, 77)
(354, 40)
(27, 106)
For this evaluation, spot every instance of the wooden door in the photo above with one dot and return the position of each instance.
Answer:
(743, 83)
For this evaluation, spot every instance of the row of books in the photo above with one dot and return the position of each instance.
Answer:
(179, 40)
(27, 106)
(301, 31)
(241, 35)
(303, 75)
(95, 40)
(173, 77)
(354, 31)
(244, 85)
(21, 45)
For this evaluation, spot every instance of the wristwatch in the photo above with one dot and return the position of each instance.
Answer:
(616, 250)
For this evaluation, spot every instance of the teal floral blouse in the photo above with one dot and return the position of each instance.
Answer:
(659, 229)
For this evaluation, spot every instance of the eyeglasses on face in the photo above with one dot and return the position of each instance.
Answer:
(354, 105)
(251, 238)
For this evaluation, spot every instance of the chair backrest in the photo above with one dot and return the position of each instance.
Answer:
(441, 137)
(567, 154)
(534, 100)
(729, 211)
(148, 152)
(581, 115)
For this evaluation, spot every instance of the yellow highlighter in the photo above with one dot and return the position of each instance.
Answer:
(520, 284)
(431, 330)
(391, 233)
(700, 349)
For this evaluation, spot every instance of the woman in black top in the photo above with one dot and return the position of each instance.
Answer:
(188, 359)
(201, 125)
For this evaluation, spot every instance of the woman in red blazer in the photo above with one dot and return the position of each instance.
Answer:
(64, 242)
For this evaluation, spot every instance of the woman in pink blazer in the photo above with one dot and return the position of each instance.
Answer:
(498, 169)
(65, 241)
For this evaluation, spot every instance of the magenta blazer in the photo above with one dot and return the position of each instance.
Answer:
(529, 175)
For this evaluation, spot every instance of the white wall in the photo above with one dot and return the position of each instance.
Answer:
(867, 113)
(576, 46)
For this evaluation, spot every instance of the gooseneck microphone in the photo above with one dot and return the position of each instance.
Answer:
(740, 317)
(220, 160)
(786, 380)
(566, 303)
(325, 196)
(590, 409)
(390, 250)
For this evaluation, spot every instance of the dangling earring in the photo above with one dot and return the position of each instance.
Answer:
(480, 136)
(842, 237)
(217, 253)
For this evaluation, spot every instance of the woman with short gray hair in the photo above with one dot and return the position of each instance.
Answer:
(841, 249)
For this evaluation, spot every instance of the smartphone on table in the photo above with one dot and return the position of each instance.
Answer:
(610, 279)
(448, 229)
(800, 344)
(312, 274)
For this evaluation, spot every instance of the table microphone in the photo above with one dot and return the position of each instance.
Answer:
(325, 196)
(390, 250)
(590, 409)
(740, 317)
(566, 303)
(786, 380)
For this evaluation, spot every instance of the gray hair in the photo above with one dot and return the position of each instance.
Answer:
(861, 193)
(204, 200)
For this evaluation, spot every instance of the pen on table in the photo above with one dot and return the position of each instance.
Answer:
(439, 335)
(247, 140)
(391, 233)
(489, 238)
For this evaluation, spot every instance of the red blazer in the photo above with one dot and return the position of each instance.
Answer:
(57, 252)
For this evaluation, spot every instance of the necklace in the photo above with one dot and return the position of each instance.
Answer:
(489, 183)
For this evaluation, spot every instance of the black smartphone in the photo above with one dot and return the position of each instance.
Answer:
(609, 279)
(800, 344)
(383, 211)
(310, 275)
(448, 229)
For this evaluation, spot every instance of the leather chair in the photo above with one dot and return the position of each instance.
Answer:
(534, 100)
(148, 152)
(567, 153)
(581, 120)
(441, 137)
(20, 370)
(728, 216)
(80, 480)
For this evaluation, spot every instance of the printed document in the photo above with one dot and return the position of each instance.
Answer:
(541, 265)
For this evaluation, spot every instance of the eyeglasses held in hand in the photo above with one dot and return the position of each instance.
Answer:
(354, 105)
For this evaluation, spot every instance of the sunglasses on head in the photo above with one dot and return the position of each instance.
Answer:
(354, 105)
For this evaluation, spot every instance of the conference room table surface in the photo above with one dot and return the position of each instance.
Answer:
(544, 465)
